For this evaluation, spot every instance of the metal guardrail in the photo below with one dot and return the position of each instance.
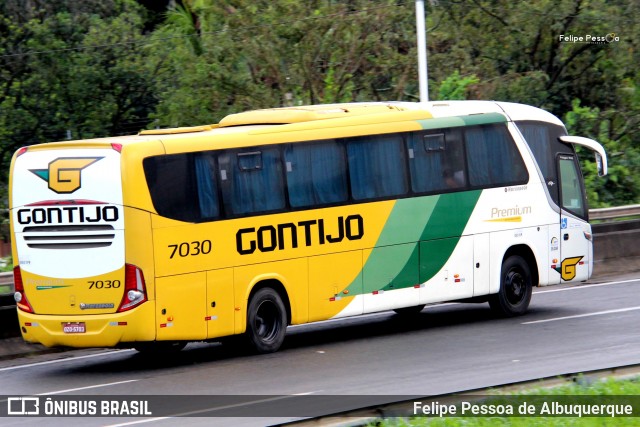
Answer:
(616, 212)
(6, 278)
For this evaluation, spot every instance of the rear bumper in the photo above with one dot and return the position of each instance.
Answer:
(102, 330)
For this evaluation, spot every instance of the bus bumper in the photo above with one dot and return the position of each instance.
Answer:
(101, 330)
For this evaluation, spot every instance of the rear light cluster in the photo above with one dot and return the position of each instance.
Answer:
(21, 298)
(135, 290)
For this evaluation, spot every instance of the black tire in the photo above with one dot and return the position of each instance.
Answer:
(409, 311)
(266, 321)
(160, 347)
(514, 295)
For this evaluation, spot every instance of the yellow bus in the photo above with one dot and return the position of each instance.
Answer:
(287, 216)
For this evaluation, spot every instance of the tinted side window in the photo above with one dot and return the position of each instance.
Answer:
(543, 141)
(251, 181)
(205, 176)
(172, 186)
(538, 138)
(377, 166)
(436, 161)
(492, 157)
(316, 174)
(571, 187)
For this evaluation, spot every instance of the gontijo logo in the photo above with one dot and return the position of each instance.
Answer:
(64, 173)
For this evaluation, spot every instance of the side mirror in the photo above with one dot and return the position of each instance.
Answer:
(596, 147)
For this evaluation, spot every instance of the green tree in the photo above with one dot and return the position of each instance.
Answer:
(108, 67)
(622, 185)
(256, 54)
(72, 70)
(456, 87)
(518, 54)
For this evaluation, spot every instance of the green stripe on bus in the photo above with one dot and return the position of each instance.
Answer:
(444, 229)
(390, 265)
(483, 119)
(451, 214)
(441, 122)
(417, 240)
(473, 119)
(407, 220)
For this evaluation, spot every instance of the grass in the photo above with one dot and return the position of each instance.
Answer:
(6, 264)
(595, 392)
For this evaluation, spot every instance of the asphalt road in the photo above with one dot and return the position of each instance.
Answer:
(447, 348)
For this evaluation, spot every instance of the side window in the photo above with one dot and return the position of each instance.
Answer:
(316, 174)
(543, 140)
(571, 189)
(205, 172)
(377, 167)
(436, 161)
(172, 186)
(538, 137)
(492, 157)
(251, 181)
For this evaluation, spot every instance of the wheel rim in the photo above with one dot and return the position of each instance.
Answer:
(515, 286)
(267, 321)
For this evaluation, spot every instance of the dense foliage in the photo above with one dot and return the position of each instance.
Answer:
(107, 67)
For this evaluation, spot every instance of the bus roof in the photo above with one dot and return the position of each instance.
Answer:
(307, 113)
(309, 117)
(514, 111)
(287, 115)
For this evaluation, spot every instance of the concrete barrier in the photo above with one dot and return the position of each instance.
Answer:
(616, 248)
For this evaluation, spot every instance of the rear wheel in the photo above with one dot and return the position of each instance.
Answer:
(266, 321)
(515, 288)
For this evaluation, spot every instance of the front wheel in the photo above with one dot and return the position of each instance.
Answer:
(266, 321)
(515, 288)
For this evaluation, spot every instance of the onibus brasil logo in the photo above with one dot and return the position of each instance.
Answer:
(64, 173)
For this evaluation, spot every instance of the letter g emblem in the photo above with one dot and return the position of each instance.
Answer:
(64, 174)
(569, 267)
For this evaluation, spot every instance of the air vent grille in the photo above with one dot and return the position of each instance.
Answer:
(68, 236)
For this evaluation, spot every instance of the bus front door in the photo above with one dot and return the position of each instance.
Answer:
(575, 232)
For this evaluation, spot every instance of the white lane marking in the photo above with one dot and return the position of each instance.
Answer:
(84, 388)
(598, 313)
(546, 291)
(49, 393)
(212, 409)
(68, 359)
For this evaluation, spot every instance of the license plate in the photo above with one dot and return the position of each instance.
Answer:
(74, 328)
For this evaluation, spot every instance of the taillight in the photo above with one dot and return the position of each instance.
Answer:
(135, 291)
(21, 298)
